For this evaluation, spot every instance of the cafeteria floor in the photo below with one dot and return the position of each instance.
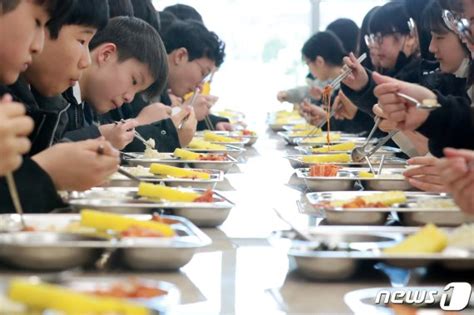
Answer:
(242, 272)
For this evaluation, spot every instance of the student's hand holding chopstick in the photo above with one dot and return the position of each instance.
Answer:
(119, 134)
(186, 123)
(224, 126)
(384, 125)
(345, 109)
(79, 165)
(314, 114)
(153, 113)
(359, 77)
(202, 105)
(15, 126)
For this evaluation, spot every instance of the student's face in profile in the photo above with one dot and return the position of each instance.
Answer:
(185, 75)
(448, 51)
(318, 68)
(21, 37)
(109, 83)
(62, 61)
(314, 69)
(389, 48)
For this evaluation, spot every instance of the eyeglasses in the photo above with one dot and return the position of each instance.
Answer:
(373, 39)
(205, 73)
(458, 25)
(377, 39)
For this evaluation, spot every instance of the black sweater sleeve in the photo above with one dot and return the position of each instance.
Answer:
(35, 188)
(163, 132)
(214, 121)
(89, 132)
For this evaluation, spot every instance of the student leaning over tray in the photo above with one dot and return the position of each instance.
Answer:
(38, 178)
(193, 53)
(128, 57)
(40, 87)
(21, 30)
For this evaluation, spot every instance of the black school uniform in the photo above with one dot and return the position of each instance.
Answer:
(35, 188)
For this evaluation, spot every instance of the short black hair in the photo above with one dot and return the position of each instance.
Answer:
(184, 12)
(135, 38)
(166, 20)
(348, 32)
(92, 13)
(120, 8)
(326, 45)
(56, 9)
(144, 9)
(197, 39)
(432, 18)
(389, 19)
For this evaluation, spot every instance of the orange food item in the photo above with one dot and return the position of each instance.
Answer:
(28, 229)
(326, 170)
(140, 232)
(130, 290)
(208, 196)
(246, 132)
(212, 157)
(156, 217)
(360, 203)
(326, 98)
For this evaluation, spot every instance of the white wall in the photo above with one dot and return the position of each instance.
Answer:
(264, 40)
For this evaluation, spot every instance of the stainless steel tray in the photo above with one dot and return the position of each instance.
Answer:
(387, 151)
(337, 252)
(276, 126)
(388, 181)
(231, 150)
(238, 144)
(296, 128)
(126, 200)
(289, 137)
(61, 250)
(224, 166)
(251, 140)
(49, 250)
(302, 141)
(118, 180)
(346, 177)
(293, 139)
(243, 139)
(296, 161)
(343, 182)
(157, 305)
(410, 212)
